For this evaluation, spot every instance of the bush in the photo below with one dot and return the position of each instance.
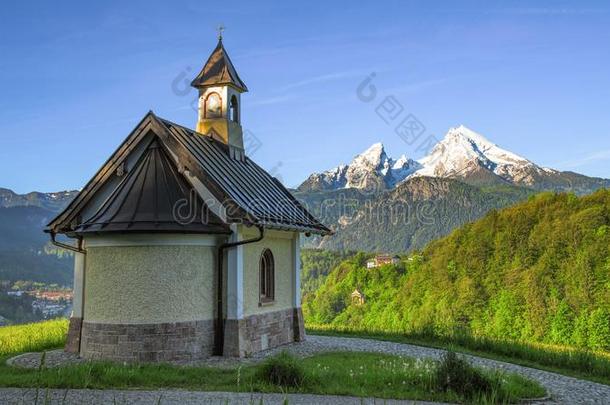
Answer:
(455, 374)
(283, 370)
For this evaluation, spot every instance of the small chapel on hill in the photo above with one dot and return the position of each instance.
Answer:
(184, 247)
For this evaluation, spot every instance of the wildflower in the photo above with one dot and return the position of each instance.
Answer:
(238, 375)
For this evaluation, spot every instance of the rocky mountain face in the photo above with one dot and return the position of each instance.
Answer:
(463, 154)
(376, 203)
(49, 201)
(371, 170)
(25, 251)
(466, 154)
(407, 217)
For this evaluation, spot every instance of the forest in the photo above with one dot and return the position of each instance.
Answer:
(538, 271)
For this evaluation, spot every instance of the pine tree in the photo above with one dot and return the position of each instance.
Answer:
(599, 329)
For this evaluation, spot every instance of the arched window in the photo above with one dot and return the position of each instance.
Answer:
(266, 277)
(234, 110)
(213, 106)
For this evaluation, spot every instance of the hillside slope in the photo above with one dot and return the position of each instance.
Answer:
(417, 211)
(538, 271)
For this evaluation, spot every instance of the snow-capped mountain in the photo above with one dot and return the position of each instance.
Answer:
(370, 170)
(463, 154)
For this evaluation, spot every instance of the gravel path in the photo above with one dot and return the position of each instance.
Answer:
(77, 397)
(563, 389)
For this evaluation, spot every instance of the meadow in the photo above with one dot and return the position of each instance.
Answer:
(580, 363)
(356, 374)
(33, 337)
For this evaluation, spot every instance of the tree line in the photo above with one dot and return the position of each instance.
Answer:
(538, 272)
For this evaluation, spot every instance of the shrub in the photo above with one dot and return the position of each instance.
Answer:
(283, 370)
(455, 374)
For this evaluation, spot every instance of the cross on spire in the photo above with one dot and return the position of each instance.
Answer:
(220, 29)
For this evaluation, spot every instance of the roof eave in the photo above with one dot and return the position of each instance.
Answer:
(198, 85)
(296, 228)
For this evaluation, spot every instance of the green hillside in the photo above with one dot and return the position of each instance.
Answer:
(537, 272)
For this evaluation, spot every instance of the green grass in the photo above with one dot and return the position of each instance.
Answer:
(33, 337)
(585, 364)
(356, 374)
(386, 376)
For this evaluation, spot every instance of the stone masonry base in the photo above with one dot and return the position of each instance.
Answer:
(183, 340)
(73, 338)
(147, 342)
(263, 331)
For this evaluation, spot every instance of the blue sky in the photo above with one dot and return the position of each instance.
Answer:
(75, 78)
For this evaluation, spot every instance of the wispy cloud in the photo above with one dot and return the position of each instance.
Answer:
(270, 100)
(598, 156)
(551, 11)
(420, 85)
(322, 79)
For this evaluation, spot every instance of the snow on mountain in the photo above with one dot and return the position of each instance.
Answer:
(371, 169)
(464, 152)
(51, 201)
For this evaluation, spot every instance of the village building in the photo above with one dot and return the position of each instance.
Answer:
(186, 248)
(380, 260)
(52, 295)
(357, 297)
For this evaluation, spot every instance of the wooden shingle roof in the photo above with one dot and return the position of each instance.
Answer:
(247, 193)
(219, 70)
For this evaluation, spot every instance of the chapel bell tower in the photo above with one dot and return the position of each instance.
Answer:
(220, 91)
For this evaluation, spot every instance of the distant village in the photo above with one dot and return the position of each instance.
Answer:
(357, 296)
(28, 301)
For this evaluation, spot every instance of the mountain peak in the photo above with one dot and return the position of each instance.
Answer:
(463, 153)
(468, 135)
(376, 146)
(375, 154)
(480, 145)
(369, 170)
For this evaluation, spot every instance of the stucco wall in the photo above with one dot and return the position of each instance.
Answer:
(149, 284)
(280, 244)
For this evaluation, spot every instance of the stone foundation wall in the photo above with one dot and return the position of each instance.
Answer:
(147, 342)
(263, 331)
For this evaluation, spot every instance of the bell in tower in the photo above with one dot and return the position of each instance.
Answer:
(220, 90)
